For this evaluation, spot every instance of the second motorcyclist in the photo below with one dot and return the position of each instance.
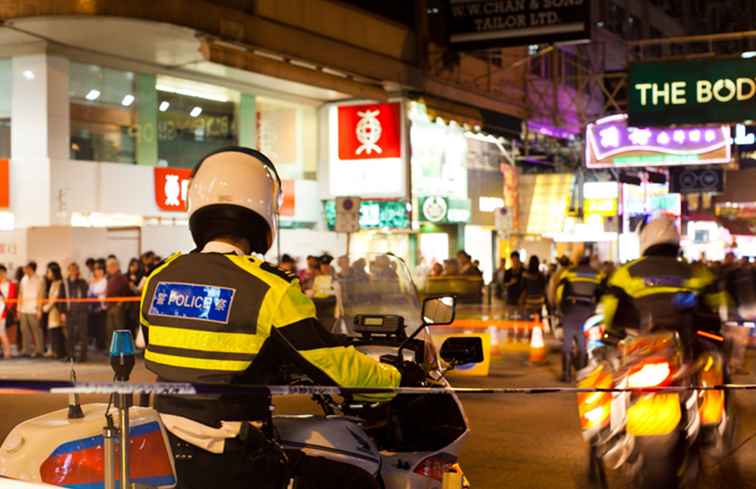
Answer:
(645, 293)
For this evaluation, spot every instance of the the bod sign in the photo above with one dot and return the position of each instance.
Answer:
(682, 92)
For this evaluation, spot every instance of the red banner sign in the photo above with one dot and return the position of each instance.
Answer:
(172, 188)
(370, 131)
(4, 184)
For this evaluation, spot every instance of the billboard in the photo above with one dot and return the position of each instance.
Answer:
(691, 92)
(611, 143)
(366, 154)
(481, 24)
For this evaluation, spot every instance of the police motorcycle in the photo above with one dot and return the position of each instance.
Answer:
(656, 438)
(411, 442)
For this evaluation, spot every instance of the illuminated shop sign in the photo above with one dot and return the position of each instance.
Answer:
(171, 188)
(437, 209)
(697, 91)
(600, 207)
(490, 23)
(374, 214)
(611, 143)
(365, 150)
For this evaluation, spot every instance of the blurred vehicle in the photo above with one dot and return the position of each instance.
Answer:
(656, 437)
(411, 442)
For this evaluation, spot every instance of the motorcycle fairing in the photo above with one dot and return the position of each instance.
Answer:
(78, 464)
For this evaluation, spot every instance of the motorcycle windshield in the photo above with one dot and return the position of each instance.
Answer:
(378, 284)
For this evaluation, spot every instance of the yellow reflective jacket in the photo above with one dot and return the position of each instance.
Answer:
(223, 319)
(578, 286)
(641, 293)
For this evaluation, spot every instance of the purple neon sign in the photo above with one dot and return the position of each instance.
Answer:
(610, 142)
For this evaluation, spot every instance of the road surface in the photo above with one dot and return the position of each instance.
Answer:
(517, 441)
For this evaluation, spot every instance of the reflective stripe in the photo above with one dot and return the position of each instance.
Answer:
(659, 290)
(192, 339)
(212, 355)
(196, 363)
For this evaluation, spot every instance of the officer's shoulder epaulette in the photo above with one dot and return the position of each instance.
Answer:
(270, 268)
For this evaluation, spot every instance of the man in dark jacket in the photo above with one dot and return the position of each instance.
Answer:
(118, 286)
(76, 313)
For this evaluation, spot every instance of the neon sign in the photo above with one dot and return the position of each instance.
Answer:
(611, 143)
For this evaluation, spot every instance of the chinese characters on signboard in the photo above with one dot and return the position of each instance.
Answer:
(611, 143)
(171, 188)
(369, 131)
(366, 150)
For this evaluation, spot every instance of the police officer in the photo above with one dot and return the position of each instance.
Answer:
(576, 296)
(221, 315)
(645, 294)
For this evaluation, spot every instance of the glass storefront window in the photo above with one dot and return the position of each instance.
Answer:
(287, 134)
(102, 114)
(193, 120)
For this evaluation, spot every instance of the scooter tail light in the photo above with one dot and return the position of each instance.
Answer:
(650, 375)
(436, 465)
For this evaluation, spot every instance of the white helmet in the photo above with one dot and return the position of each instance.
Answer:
(661, 230)
(234, 191)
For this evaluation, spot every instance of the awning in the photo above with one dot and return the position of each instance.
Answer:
(503, 125)
(450, 111)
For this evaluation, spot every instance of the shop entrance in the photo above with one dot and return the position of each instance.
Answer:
(434, 247)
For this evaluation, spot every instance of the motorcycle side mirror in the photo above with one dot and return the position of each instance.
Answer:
(439, 311)
(460, 350)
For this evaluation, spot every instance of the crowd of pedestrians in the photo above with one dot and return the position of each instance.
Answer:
(65, 315)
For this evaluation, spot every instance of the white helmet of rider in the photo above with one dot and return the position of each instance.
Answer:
(661, 230)
(235, 191)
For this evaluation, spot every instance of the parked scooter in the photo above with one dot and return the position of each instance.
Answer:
(411, 442)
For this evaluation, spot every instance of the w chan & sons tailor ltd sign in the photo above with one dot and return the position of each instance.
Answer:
(689, 92)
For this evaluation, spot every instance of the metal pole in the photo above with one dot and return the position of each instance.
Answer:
(123, 413)
(108, 434)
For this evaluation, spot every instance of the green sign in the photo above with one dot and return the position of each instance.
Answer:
(374, 214)
(684, 92)
(437, 209)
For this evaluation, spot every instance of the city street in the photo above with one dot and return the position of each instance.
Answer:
(517, 441)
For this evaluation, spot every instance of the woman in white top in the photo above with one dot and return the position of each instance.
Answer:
(98, 287)
(54, 310)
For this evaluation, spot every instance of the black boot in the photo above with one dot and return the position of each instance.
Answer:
(566, 368)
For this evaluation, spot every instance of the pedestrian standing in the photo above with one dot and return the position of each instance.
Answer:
(535, 286)
(7, 293)
(31, 293)
(55, 313)
(75, 289)
(514, 284)
(117, 288)
(134, 274)
(90, 264)
(97, 289)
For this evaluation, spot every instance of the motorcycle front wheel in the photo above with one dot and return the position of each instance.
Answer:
(665, 462)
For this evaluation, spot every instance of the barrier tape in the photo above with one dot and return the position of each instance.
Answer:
(171, 388)
(76, 300)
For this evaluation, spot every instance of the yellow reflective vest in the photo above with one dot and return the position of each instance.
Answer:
(223, 319)
(640, 294)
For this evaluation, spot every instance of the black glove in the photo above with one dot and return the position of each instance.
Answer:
(413, 375)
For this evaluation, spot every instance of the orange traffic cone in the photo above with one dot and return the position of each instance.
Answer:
(537, 347)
